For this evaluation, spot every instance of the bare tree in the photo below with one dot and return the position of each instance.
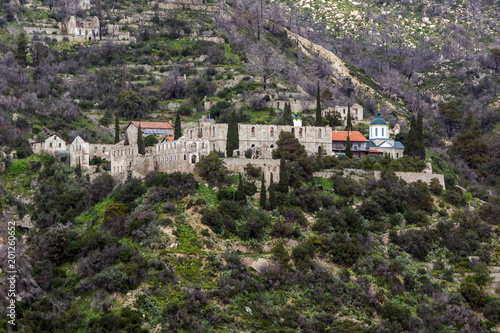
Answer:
(174, 86)
(265, 60)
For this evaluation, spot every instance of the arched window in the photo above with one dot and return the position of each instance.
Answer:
(272, 131)
(319, 133)
(184, 157)
(271, 146)
(253, 146)
(376, 132)
(300, 132)
(193, 159)
(293, 130)
(213, 130)
(59, 145)
(253, 131)
(397, 155)
(319, 150)
(190, 134)
(51, 145)
(382, 132)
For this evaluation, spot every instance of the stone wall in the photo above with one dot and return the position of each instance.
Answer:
(412, 177)
(269, 166)
(265, 136)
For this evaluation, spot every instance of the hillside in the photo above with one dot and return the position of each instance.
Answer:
(329, 246)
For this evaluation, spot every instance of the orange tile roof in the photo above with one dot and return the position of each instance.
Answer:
(354, 136)
(152, 125)
(169, 138)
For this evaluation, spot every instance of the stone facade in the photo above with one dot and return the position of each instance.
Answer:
(87, 29)
(82, 152)
(356, 111)
(269, 166)
(204, 138)
(51, 145)
(262, 136)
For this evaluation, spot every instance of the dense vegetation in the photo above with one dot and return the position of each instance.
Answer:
(217, 251)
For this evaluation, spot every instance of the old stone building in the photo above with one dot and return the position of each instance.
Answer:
(82, 29)
(52, 145)
(262, 137)
(206, 137)
(83, 152)
(356, 111)
(161, 129)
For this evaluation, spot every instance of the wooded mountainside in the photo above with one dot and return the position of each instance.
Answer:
(221, 252)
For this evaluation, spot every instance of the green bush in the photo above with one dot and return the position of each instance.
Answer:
(491, 311)
(396, 312)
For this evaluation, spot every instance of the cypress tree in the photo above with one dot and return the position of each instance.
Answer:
(348, 151)
(348, 126)
(420, 136)
(21, 50)
(127, 142)
(411, 142)
(263, 192)
(272, 195)
(287, 115)
(117, 129)
(140, 142)
(233, 140)
(240, 192)
(319, 118)
(177, 127)
(283, 183)
(78, 169)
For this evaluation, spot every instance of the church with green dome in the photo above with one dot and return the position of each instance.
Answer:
(380, 143)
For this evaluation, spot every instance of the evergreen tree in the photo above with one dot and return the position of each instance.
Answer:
(411, 142)
(287, 115)
(177, 127)
(141, 147)
(117, 129)
(233, 140)
(22, 50)
(272, 195)
(78, 169)
(127, 142)
(263, 192)
(240, 191)
(420, 136)
(348, 151)
(348, 126)
(319, 118)
(283, 182)
(469, 145)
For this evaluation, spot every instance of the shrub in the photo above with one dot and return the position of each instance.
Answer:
(396, 313)
(130, 190)
(255, 225)
(491, 311)
(150, 140)
(472, 293)
(435, 186)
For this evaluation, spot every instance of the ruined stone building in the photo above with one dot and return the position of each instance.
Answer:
(263, 137)
(206, 137)
(51, 145)
(82, 29)
(356, 111)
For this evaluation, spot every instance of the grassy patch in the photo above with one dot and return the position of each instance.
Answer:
(94, 214)
(208, 195)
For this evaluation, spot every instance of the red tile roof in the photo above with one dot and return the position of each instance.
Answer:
(354, 136)
(169, 138)
(152, 125)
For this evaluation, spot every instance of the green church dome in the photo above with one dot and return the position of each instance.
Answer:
(378, 121)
